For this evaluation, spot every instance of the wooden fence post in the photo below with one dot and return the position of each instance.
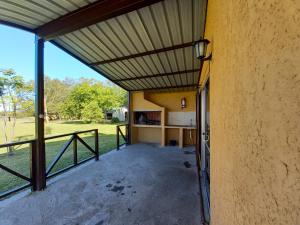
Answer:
(75, 156)
(97, 144)
(118, 141)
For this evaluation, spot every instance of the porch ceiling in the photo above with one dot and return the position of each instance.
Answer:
(139, 45)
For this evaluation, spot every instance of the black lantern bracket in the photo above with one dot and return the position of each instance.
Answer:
(200, 48)
(207, 58)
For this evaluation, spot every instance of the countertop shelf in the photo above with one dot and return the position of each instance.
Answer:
(181, 126)
(166, 126)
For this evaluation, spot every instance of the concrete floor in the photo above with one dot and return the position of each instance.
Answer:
(138, 185)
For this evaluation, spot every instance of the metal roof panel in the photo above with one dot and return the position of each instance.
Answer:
(160, 25)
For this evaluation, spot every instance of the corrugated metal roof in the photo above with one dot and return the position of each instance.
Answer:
(162, 25)
(34, 13)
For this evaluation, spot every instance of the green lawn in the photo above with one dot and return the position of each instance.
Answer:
(20, 159)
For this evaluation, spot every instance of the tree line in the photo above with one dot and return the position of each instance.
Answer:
(85, 99)
(80, 99)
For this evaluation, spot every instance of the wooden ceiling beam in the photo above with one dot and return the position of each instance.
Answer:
(157, 75)
(167, 87)
(90, 14)
(156, 51)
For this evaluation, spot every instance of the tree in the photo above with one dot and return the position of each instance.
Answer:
(56, 91)
(106, 96)
(11, 93)
(77, 98)
(27, 99)
(92, 112)
(121, 95)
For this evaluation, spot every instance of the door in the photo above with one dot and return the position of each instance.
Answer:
(205, 150)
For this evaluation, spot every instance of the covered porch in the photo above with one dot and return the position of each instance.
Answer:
(139, 184)
(146, 48)
(236, 99)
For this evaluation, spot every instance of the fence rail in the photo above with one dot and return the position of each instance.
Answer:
(120, 132)
(31, 180)
(73, 139)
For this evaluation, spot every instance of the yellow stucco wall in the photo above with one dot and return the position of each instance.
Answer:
(148, 135)
(255, 111)
(171, 100)
(165, 102)
(140, 103)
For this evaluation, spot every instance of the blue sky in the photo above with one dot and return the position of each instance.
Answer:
(17, 52)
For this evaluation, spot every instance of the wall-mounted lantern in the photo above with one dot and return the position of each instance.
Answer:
(200, 48)
(183, 103)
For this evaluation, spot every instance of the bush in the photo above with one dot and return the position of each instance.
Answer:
(115, 120)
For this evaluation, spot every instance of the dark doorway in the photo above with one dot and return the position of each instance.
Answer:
(109, 116)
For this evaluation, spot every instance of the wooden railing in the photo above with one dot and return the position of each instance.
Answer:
(73, 139)
(30, 180)
(124, 136)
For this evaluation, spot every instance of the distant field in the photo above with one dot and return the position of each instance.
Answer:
(24, 130)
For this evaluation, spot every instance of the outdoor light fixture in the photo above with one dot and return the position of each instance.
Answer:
(183, 103)
(200, 48)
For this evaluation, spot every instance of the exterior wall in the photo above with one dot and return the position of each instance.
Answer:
(255, 111)
(120, 113)
(171, 101)
(140, 103)
(148, 135)
(165, 102)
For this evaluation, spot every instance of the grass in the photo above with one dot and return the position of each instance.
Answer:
(20, 159)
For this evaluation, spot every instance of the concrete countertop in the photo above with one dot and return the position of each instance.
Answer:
(180, 126)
